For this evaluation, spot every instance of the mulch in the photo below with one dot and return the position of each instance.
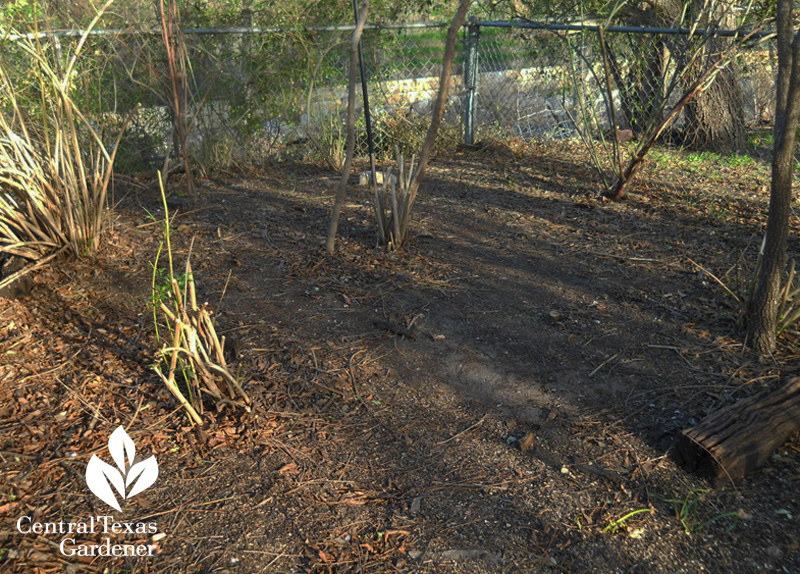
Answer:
(499, 397)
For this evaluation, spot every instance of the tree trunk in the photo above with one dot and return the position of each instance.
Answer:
(762, 313)
(438, 110)
(715, 119)
(639, 79)
(350, 144)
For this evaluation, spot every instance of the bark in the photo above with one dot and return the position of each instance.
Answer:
(715, 120)
(350, 144)
(738, 439)
(762, 319)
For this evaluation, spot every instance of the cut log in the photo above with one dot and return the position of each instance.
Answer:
(738, 439)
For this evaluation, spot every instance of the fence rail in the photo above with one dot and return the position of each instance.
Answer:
(521, 24)
(235, 30)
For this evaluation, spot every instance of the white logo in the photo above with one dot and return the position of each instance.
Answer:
(141, 475)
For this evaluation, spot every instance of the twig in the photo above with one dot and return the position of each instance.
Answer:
(466, 430)
(224, 289)
(603, 364)
(623, 257)
(715, 278)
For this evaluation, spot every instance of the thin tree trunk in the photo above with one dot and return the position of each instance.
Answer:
(438, 109)
(763, 310)
(175, 46)
(350, 144)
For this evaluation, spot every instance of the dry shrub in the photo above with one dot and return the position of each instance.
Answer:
(55, 169)
(192, 356)
(391, 204)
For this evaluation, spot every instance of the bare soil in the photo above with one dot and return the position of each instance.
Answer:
(498, 397)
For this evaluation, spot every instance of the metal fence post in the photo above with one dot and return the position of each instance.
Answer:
(471, 78)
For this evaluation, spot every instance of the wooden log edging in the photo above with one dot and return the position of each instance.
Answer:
(737, 439)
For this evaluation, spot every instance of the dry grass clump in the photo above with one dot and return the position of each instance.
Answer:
(392, 205)
(55, 169)
(192, 360)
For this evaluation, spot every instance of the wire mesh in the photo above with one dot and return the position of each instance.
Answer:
(544, 85)
(531, 84)
(254, 96)
(260, 96)
(404, 69)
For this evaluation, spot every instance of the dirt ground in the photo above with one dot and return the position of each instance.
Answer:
(499, 397)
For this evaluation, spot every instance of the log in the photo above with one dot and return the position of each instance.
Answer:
(738, 439)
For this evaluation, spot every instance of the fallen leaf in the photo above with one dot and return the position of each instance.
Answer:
(527, 443)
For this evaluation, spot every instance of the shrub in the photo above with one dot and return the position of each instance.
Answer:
(54, 166)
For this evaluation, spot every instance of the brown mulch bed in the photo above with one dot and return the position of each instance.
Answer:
(496, 398)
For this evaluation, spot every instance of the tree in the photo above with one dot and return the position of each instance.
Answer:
(762, 313)
(715, 120)
(350, 145)
(643, 65)
(641, 80)
(430, 138)
(715, 117)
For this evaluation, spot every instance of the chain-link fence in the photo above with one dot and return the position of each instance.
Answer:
(543, 84)
(574, 83)
(268, 93)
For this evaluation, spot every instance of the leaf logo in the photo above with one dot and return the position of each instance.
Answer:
(137, 477)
